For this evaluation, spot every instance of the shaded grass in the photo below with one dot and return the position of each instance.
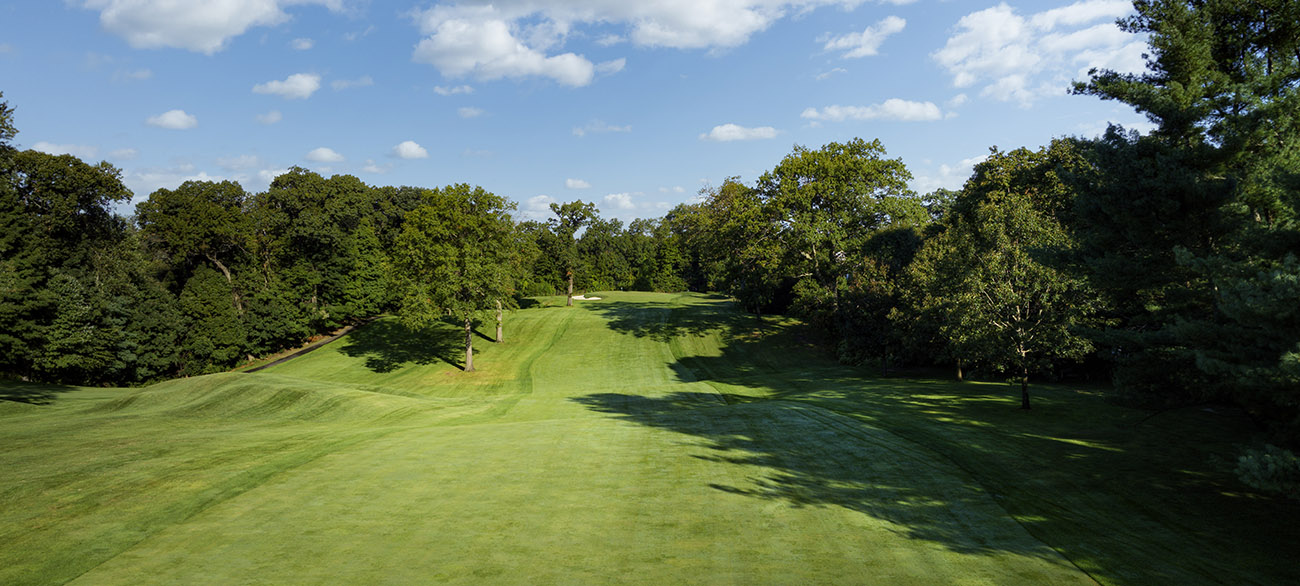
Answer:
(644, 438)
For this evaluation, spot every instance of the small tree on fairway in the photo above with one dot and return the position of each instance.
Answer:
(453, 259)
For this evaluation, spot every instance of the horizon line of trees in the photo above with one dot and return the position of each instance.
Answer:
(1166, 260)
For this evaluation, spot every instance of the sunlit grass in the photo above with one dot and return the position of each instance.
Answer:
(644, 438)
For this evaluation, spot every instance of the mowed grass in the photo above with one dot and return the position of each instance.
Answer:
(642, 438)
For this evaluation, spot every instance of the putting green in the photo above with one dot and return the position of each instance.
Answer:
(640, 438)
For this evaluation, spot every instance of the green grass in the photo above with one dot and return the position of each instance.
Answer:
(644, 438)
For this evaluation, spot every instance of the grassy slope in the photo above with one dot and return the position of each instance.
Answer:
(644, 438)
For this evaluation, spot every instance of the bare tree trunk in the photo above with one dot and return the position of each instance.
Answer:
(239, 306)
(1024, 389)
(469, 346)
(570, 301)
(960, 377)
(500, 336)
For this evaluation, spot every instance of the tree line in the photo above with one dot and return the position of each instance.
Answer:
(1165, 260)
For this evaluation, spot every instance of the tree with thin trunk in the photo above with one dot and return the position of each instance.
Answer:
(569, 218)
(453, 259)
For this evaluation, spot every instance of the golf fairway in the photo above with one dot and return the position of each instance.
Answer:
(642, 438)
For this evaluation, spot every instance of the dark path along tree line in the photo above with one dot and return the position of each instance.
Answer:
(1167, 261)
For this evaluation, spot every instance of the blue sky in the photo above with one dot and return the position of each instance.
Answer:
(632, 105)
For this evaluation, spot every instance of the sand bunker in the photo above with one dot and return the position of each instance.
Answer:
(585, 298)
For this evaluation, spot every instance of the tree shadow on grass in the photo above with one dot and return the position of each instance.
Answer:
(387, 345)
(32, 393)
(665, 322)
(806, 458)
(1132, 504)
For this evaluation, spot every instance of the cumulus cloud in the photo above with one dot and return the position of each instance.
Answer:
(204, 27)
(576, 184)
(1013, 57)
(81, 151)
(342, 84)
(173, 120)
(536, 208)
(619, 201)
(451, 91)
(867, 42)
(302, 44)
(947, 176)
(479, 41)
(125, 154)
(410, 149)
(324, 155)
(469, 112)
(298, 86)
(730, 132)
(599, 127)
(270, 117)
(525, 38)
(891, 109)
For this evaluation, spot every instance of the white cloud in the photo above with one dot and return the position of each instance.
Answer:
(270, 117)
(324, 155)
(451, 91)
(410, 149)
(525, 38)
(269, 175)
(891, 109)
(204, 27)
(298, 86)
(948, 176)
(867, 42)
(620, 201)
(239, 163)
(1024, 59)
(599, 127)
(827, 74)
(673, 189)
(173, 120)
(730, 132)
(468, 112)
(371, 167)
(576, 184)
(125, 154)
(479, 41)
(302, 44)
(611, 67)
(142, 183)
(537, 208)
(342, 84)
(81, 151)
(958, 100)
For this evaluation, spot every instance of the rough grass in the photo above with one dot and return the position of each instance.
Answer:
(642, 438)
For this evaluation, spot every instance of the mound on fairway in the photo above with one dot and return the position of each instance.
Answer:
(647, 438)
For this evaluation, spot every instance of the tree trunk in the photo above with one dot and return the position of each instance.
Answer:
(1024, 389)
(960, 378)
(570, 301)
(500, 336)
(239, 306)
(469, 346)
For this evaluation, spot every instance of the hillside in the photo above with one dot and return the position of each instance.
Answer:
(644, 438)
